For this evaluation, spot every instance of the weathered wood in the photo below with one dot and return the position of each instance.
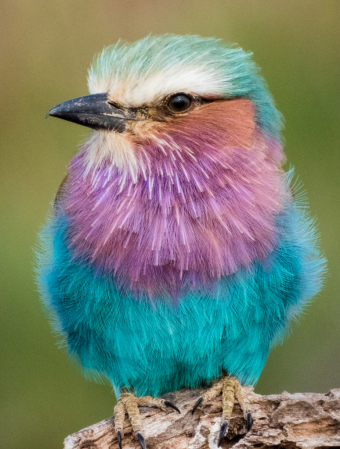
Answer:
(300, 420)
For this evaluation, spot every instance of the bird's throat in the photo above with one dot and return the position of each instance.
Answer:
(186, 220)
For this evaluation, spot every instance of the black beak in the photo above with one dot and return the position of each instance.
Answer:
(93, 111)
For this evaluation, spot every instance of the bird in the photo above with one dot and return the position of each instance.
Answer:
(178, 250)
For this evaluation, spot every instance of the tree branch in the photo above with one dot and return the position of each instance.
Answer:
(300, 420)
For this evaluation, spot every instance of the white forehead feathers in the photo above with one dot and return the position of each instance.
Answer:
(150, 69)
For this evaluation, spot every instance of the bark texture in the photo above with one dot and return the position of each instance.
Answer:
(300, 420)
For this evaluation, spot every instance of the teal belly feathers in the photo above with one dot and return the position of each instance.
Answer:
(159, 346)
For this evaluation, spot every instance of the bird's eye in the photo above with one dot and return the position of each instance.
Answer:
(179, 103)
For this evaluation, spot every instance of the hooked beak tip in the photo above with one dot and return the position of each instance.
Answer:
(56, 111)
(52, 113)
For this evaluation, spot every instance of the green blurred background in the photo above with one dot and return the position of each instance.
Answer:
(46, 48)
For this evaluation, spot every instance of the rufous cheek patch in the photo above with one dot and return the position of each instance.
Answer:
(230, 122)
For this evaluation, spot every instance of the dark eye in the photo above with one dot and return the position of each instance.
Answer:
(179, 103)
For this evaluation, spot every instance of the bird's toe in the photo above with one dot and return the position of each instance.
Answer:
(249, 421)
(197, 404)
(223, 430)
(141, 440)
(171, 405)
(119, 438)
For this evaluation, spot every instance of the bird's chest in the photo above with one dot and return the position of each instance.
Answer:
(161, 232)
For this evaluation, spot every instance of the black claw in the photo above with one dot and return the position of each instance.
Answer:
(223, 431)
(171, 405)
(119, 438)
(249, 421)
(141, 440)
(200, 400)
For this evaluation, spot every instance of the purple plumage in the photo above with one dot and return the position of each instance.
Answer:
(203, 205)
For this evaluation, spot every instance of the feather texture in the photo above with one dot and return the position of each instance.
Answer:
(145, 71)
(158, 347)
(177, 250)
(195, 215)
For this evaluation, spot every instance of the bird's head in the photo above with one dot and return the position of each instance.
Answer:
(171, 92)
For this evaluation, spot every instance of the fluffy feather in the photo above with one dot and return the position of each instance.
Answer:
(177, 250)
(156, 347)
(139, 73)
(196, 214)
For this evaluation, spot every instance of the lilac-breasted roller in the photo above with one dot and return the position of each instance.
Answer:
(177, 254)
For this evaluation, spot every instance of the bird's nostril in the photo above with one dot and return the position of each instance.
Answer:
(114, 104)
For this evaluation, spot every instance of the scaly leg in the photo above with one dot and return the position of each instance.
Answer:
(129, 403)
(230, 388)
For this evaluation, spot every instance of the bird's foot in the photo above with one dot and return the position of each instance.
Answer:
(230, 388)
(129, 403)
